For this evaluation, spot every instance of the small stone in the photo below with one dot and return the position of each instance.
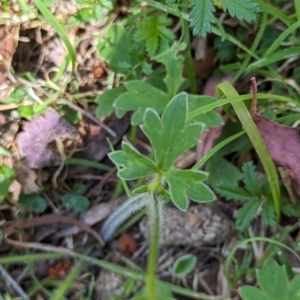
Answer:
(202, 224)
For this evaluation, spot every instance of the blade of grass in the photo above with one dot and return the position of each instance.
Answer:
(88, 163)
(282, 37)
(58, 28)
(226, 89)
(253, 48)
(274, 57)
(109, 266)
(215, 149)
(297, 9)
(206, 108)
(250, 240)
(275, 12)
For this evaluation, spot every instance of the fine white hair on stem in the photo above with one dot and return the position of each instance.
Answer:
(155, 206)
(121, 214)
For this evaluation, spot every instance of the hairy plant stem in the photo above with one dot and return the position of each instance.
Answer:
(155, 219)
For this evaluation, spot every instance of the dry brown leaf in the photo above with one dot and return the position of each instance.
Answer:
(282, 142)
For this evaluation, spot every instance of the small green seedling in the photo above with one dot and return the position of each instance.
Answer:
(274, 284)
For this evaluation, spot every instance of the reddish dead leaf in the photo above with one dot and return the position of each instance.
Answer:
(208, 138)
(61, 269)
(98, 71)
(282, 142)
(127, 244)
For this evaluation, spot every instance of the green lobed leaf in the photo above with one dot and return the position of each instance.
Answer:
(251, 293)
(35, 202)
(232, 192)
(115, 49)
(202, 17)
(174, 64)
(268, 213)
(184, 184)
(221, 171)
(77, 202)
(251, 179)
(152, 44)
(79, 188)
(242, 9)
(288, 209)
(134, 164)
(140, 96)
(272, 280)
(211, 118)
(246, 214)
(107, 99)
(152, 29)
(294, 289)
(4, 187)
(170, 136)
(184, 265)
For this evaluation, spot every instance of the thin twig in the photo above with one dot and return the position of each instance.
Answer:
(12, 283)
(254, 96)
(88, 115)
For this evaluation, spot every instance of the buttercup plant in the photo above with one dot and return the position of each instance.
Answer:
(170, 136)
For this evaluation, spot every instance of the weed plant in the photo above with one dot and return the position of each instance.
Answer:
(173, 119)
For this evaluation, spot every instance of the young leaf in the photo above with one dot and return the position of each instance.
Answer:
(294, 289)
(152, 29)
(140, 96)
(4, 187)
(221, 171)
(35, 202)
(134, 164)
(252, 293)
(184, 184)
(242, 9)
(251, 179)
(288, 209)
(269, 213)
(77, 202)
(232, 192)
(79, 188)
(272, 279)
(246, 214)
(107, 99)
(184, 265)
(115, 49)
(202, 17)
(174, 65)
(170, 136)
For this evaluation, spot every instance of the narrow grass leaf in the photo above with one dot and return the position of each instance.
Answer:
(282, 37)
(274, 57)
(215, 149)
(243, 114)
(58, 28)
